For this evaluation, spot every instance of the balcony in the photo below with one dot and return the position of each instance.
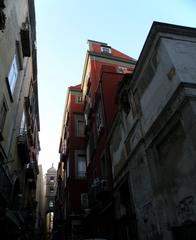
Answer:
(99, 190)
(31, 174)
(26, 40)
(23, 146)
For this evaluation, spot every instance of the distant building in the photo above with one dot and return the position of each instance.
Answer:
(40, 214)
(19, 119)
(50, 193)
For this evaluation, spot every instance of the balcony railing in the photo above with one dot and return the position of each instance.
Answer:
(100, 184)
(23, 146)
(26, 40)
(31, 172)
(98, 190)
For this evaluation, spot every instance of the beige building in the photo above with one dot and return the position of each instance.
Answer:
(50, 193)
(40, 197)
(153, 144)
(19, 119)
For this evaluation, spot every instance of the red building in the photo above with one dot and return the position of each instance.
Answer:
(72, 180)
(103, 70)
(89, 113)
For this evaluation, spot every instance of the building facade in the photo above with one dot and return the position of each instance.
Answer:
(40, 214)
(19, 119)
(153, 139)
(85, 173)
(103, 70)
(139, 143)
(50, 193)
(72, 177)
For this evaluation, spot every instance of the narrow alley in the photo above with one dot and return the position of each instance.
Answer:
(125, 166)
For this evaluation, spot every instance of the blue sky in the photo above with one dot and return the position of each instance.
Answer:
(63, 28)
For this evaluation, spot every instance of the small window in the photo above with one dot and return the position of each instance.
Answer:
(3, 113)
(23, 126)
(79, 125)
(99, 119)
(81, 165)
(106, 50)
(125, 103)
(51, 204)
(51, 189)
(13, 75)
(78, 99)
(51, 179)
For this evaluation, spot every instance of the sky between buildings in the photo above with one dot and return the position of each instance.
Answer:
(63, 28)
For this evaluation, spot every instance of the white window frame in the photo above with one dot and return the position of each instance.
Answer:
(106, 50)
(13, 74)
(79, 99)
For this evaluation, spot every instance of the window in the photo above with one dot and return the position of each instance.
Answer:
(2, 16)
(84, 200)
(23, 126)
(78, 99)
(51, 189)
(13, 74)
(99, 119)
(79, 125)
(149, 73)
(51, 204)
(106, 50)
(3, 113)
(81, 164)
(91, 144)
(125, 102)
(52, 179)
